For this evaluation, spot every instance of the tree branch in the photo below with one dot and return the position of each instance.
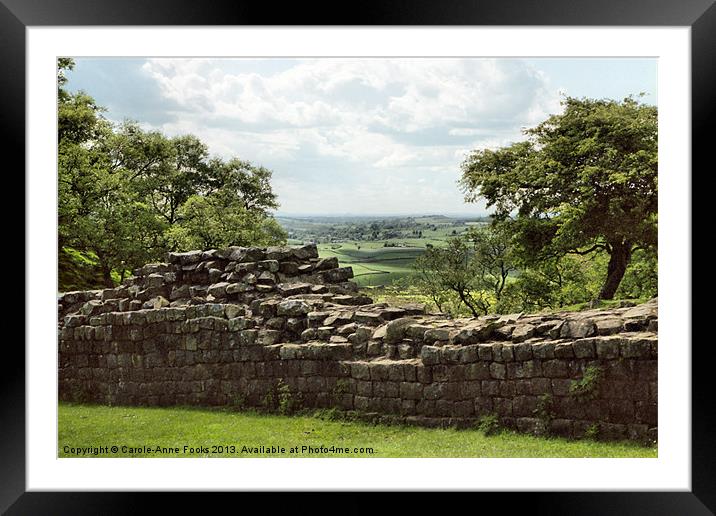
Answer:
(590, 250)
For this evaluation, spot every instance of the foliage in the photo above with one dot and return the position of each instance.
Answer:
(641, 279)
(474, 267)
(288, 403)
(218, 220)
(584, 181)
(552, 283)
(543, 413)
(268, 402)
(341, 388)
(592, 432)
(127, 195)
(587, 388)
(489, 424)
(78, 270)
(332, 414)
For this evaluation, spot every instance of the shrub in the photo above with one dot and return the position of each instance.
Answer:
(288, 403)
(592, 432)
(543, 412)
(588, 387)
(489, 424)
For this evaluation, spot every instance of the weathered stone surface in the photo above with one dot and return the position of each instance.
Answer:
(347, 329)
(278, 253)
(371, 318)
(578, 329)
(338, 318)
(351, 300)
(292, 289)
(336, 275)
(584, 348)
(293, 308)
(380, 332)
(268, 308)
(266, 278)
(157, 302)
(246, 254)
(218, 289)
(430, 355)
(395, 330)
(390, 313)
(326, 263)
(522, 332)
(242, 320)
(185, 258)
(306, 251)
(609, 326)
(433, 334)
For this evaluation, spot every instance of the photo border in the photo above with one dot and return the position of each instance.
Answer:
(16, 15)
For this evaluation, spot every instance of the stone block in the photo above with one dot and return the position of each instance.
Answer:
(555, 368)
(430, 355)
(360, 371)
(584, 348)
(498, 371)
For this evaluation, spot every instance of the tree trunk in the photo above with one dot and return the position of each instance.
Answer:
(468, 304)
(107, 275)
(618, 261)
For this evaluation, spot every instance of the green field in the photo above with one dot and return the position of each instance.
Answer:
(380, 250)
(87, 426)
(372, 263)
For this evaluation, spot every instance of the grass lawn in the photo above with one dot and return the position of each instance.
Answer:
(83, 426)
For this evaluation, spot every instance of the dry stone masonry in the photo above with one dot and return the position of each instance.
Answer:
(250, 327)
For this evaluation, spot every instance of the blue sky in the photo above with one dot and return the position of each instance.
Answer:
(355, 136)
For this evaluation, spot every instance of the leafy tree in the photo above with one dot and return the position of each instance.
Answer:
(641, 278)
(127, 195)
(165, 171)
(494, 258)
(449, 268)
(551, 283)
(475, 267)
(584, 181)
(220, 220)
(63, 64)
(250, 186)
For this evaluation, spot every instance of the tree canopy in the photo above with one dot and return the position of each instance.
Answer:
(584, 180)
(128, 195)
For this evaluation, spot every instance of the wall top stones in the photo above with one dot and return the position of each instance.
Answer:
(300, 298)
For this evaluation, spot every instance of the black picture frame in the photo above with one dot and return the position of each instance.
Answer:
(699, 15)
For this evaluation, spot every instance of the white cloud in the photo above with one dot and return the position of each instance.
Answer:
(401, 125)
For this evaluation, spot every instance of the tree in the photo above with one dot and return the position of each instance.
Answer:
(474, 266)
(551, 283)
(249, 185)
(584, 181)
(449, 268)
(220, 220)
(494, 257)
(127, 195)
(165, 172)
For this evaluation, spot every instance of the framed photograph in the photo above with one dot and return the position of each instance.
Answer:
(413, 249)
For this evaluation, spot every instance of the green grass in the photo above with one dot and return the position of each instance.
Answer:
(372, 263)
(603, 304)
(95, 426)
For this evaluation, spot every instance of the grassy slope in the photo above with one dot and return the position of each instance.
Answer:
(373, 264)
(83, 425)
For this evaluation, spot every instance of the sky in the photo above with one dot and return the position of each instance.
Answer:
(355, 136)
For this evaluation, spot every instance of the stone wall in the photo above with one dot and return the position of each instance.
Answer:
(279, 327)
